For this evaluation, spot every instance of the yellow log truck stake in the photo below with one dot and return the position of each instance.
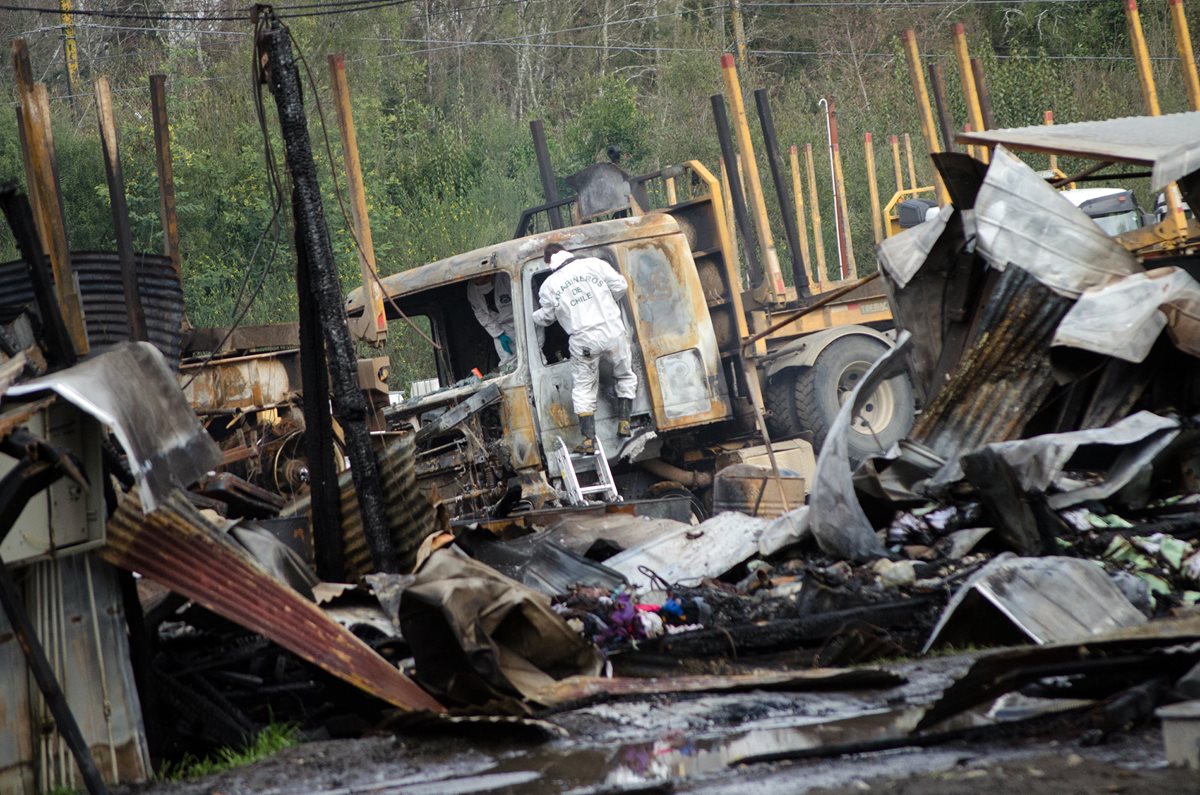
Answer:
(895, 142)
(815, 208)
(873, 188)
(1141, 56)
(758, 204)
(1187, 60)
(917, 75)
(970, 90)
(798, 197)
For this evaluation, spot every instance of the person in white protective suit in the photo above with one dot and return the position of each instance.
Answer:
(582, 294)
(490, 298)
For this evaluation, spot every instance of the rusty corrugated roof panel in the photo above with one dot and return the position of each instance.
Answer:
(178, 548)
(1168, 144)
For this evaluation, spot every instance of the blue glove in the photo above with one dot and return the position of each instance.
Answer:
(506, 343)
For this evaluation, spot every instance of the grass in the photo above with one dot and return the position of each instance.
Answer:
(270, 741)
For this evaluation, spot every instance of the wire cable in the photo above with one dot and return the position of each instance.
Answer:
(337, 190)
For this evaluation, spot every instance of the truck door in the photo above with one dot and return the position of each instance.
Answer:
(550, 372)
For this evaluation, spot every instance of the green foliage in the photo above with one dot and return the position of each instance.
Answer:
(270, 741)
(443, 130)
(609, 117)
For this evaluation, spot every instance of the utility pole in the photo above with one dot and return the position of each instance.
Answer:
(70, 53)
(322, 305)
(739, 33)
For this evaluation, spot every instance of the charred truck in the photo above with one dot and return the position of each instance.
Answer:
(705, 344)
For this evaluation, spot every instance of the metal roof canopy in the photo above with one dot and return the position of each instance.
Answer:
(1169, 144)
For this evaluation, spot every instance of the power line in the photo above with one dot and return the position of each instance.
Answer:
(323, 9)
(907, 4)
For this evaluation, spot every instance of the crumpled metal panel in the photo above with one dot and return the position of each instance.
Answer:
(902, 255)
(129, 388)
(1168, 144)
(411, 517)
(1123, 319)
(1021, 220)
(1048, 599)
(836, 518)
(1038, 462)
(99, 275)
(178, 548)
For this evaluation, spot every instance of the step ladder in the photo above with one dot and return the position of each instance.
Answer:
(605, 487)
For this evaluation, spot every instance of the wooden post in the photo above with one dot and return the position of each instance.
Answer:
(38, 139)
(985, 96)
(844, 208)
(166, 170)
(925, 111)
(120, 210)
(815, 209)
(798, 193)
(873, 188)
(373, 326)
(967, 75)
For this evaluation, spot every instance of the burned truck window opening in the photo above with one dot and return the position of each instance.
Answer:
(466, 343)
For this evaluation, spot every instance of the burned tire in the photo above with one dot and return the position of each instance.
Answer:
(779, 401)
(819, 392)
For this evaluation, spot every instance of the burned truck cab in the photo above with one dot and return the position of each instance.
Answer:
(489, 425)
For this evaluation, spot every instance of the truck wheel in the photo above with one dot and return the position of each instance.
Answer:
(779, 401)
(885, 419)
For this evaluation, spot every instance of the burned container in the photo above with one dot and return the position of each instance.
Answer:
(754, 490)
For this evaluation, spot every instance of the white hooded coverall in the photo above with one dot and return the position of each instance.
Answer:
(582, 294)
(495, 322)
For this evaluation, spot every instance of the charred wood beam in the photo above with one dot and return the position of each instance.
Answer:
(785, 633)
(19, 214)
(328, 550)
(120, 210)
(325, 289)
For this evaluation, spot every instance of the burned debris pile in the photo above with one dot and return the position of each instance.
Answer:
(278, 557)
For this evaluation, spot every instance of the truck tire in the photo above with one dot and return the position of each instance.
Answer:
(821, 389)
(779, 401)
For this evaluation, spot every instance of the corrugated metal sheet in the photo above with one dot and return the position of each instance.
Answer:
(76, 607)
(1004, 375)
(99, 275)
(1168, 144)
(410, 515)
(178, 548)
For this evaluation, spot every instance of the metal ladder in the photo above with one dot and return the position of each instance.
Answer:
(577, 494)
